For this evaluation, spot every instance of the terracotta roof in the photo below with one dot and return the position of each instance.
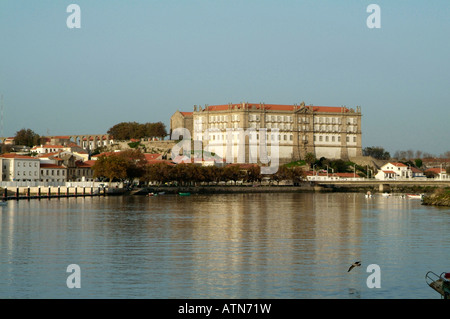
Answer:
(86, 164)
(12, 155)
(389, 172)
(399, 164)
(436, 170)
(149, 156)
(416, 170)
(186, 113)
(277, 107)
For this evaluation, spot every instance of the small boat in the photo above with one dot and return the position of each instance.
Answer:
(161, 193)
(439, 283)
(184, 194)
(386, 195)
(152, 194)
(415, 196)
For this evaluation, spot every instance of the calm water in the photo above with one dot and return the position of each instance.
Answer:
(222, 246)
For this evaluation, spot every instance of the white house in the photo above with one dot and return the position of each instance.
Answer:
(440, 173)
(394, 171)
(19, 168)
(53, 173)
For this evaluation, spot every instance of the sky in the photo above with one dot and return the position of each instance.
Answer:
(144, 60)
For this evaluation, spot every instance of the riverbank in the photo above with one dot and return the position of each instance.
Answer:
(301, 188)
(439, 198)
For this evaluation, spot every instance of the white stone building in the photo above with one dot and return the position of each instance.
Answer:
(331, 132)
(19, 168)
(393, 171)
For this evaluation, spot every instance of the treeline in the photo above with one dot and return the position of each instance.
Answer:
(131, 166)
(134, 130)
(190, 174)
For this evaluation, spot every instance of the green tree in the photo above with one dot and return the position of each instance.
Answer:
(110, 167)
(418, 162)
(377, 152)
(26, 137)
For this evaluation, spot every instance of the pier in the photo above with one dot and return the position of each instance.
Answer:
(17, 193)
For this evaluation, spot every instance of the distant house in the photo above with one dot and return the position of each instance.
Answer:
(417, 173)
(394, 171)
(48, 148)
(19, 168)
(440, 173)
(84, 171)
(321, 175)
(53, 173)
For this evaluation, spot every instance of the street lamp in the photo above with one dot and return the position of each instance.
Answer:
(314, 170)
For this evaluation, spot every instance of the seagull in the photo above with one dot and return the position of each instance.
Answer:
(355, 264)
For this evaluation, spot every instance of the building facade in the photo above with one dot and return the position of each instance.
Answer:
(19, 168)
(331, 132)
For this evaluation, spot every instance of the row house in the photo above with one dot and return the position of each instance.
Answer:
(54, 168)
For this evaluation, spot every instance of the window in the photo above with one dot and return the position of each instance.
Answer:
(354, 139)
(326, 138)
(339, 138)
(320, 138)
(332, 138)
(291, 137)
(347, 139)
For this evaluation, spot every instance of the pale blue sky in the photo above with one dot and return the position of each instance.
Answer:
(142, 60)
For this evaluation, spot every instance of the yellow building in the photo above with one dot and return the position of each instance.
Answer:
(331, 132)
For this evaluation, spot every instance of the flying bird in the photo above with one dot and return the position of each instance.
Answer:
(355, 264)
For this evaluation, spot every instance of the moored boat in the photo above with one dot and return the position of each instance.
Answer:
(415, 196)
(184, 194)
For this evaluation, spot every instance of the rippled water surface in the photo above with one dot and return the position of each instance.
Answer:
(222, 246)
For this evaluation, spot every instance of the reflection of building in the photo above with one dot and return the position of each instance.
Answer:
(331, 132)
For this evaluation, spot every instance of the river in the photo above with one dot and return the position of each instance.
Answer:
(289, 246)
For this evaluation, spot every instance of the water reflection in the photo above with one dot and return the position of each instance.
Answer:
(221, 246)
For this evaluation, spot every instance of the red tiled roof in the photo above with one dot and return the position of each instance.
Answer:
(12, 155)
(86, 164)
(389, 172)
(436, 170)
(399, 164)
(278, 107)
(186, 113)
(149, 156)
